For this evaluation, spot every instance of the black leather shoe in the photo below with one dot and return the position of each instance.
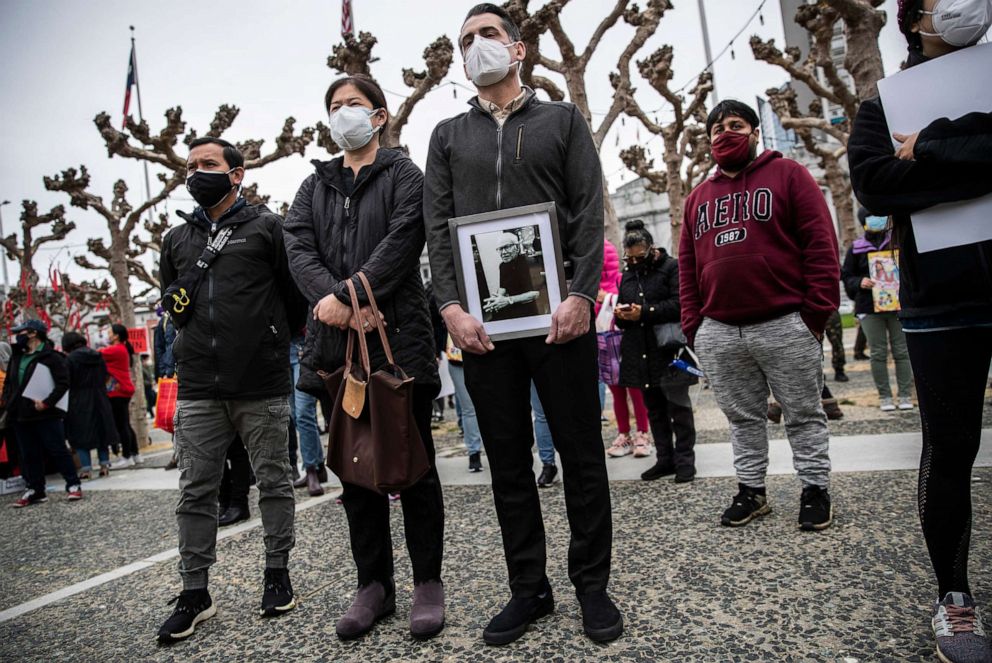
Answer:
(475, 462)
(841, 376)
(658, 470)
(547, 477)
(685, 474)
(233, 514)
(513, 620)
(601, 620)
(322, 473)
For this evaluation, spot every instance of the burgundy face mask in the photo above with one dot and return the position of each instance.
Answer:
(731, 149)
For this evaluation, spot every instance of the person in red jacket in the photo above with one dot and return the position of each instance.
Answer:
(118, 356)
(759, 269)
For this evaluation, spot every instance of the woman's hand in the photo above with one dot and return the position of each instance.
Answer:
(631, 314)
(867, 284)
(332, 312)
(365, 322)
(905, 151)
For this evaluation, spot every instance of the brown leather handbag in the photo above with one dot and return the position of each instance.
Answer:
(374, 441)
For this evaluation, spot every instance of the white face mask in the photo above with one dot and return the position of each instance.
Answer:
(960, 22)
(351, 126)
(488, 61)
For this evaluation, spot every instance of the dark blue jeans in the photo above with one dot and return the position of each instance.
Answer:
(35, 439)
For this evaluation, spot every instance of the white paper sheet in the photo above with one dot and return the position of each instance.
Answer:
(949, 86)
(41, 385)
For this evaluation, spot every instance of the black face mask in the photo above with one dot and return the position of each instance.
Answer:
(21, 340)
(209, 188)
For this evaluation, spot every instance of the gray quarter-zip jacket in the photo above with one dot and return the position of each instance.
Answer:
(544, 152)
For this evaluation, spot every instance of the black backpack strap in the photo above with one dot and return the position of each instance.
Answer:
(178, 298)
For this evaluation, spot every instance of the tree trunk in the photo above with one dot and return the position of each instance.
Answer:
(611, 224)
(843, 196)
(676, 194)
(121, 275)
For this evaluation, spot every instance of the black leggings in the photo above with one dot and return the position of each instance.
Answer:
(951, 369)
(122, 421)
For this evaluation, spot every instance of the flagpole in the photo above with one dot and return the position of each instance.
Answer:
(141, 118)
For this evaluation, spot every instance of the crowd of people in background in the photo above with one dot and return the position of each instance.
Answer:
(746, 304)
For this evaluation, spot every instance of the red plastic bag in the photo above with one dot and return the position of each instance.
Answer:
(165, 406)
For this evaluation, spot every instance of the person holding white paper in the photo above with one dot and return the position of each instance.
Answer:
(36, 421)
(946, 299)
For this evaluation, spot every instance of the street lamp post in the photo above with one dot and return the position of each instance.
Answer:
(6, 281)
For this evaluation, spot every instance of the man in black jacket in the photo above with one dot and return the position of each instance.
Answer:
(37, 422)
(232, 364)
(512, 149)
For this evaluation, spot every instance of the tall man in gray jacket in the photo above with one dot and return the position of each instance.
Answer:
(512, 149)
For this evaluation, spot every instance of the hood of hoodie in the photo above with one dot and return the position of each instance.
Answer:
(86, 356)
(758, 162)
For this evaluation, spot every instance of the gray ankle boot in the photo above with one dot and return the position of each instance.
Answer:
(427, 612)
(371, 603)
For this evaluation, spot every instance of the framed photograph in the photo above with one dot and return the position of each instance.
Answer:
(509, 269)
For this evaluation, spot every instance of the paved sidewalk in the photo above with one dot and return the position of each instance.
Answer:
(690, 590)
(854, 453)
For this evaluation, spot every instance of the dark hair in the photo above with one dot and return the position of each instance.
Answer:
(72, 341)
(488, 8)
(232, 155)
(731, 108)
(635, 233)
(120, 331)
(366, 85)
(908, 14)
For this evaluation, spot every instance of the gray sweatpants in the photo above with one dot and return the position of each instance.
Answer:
(204, 430)
(742, 364)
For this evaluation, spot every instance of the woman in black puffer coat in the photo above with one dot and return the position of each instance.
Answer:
(363, 212)
(649, 296)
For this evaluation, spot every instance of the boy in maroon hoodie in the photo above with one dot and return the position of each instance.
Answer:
(759, 269)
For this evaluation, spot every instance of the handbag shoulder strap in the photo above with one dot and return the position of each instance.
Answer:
(378, 317)
(362, 345)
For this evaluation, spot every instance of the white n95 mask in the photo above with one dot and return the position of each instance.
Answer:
(351, 126)
(960, 22)
(488, 61)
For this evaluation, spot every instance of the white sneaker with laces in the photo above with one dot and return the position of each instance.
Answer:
(622, 446)
(138, 460)
(905, 404)
(886, 405)
(121, 463)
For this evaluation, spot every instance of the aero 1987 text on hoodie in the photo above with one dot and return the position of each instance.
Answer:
(758, 246)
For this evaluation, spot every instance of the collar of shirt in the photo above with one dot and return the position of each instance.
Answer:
(501, 113)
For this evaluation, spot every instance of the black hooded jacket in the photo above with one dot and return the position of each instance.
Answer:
(656, 289)
(236, 344)
(89, 422)
(22, 409)
(337, 227)
(953, 162)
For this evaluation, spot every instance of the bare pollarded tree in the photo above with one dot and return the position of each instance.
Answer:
(861, 22)
(23, 249)
(686, 154)
(574, 64)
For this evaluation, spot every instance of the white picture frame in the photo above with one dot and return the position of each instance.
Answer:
(513, 286)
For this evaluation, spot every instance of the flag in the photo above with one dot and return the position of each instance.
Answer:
(132, 80)
(347, 22)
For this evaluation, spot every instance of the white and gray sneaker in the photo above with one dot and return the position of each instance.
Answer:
(905, 404)
(886, 405)
(121, 463)
(959, 632)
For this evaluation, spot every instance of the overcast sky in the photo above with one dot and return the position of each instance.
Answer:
(65, 61)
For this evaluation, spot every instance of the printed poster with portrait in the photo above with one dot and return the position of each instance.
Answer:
(883, 270)
(509, 269)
